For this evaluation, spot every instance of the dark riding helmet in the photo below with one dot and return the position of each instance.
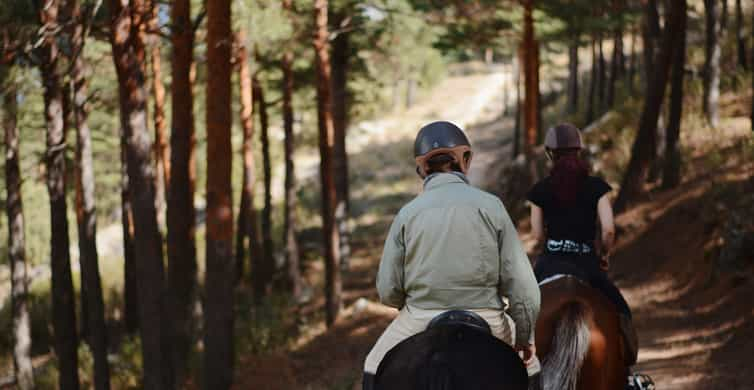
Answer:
(563, 136)
(441, 138)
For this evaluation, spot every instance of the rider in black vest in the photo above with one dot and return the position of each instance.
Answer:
(565, 209)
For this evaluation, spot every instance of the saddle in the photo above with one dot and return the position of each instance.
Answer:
(457, 351)
(461, 317)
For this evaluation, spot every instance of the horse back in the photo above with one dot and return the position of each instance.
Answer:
(571, 303)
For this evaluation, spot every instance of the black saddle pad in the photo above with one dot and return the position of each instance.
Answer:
(451, 357)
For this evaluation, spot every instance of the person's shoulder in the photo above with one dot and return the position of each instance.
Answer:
(598, 186)
(598, 182)
(540, 186)
(489, 201)
(539, 193)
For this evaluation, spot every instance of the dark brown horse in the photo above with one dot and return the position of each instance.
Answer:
(578, 338)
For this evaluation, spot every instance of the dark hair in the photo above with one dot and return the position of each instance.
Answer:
(439, 163)
(568, 174)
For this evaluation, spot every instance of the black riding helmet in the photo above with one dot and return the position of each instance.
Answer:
(441, 138)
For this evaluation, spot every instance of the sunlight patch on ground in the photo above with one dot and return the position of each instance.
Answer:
(703, 333)
(681, 349)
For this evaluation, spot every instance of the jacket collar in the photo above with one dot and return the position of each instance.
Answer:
(438, 179)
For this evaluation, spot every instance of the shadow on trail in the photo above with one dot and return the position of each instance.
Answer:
(693, 315)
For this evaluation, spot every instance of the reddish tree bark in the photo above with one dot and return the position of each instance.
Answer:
(293, 277)
(86, 212)
(181, 214)
(161, 149)
(220, 268)
(330, 232)
(63, 304)
(127, 39)
(247, 233)
(16, 245)
(643, 149)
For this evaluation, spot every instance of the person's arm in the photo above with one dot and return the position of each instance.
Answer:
(518, 284)
(537, 226)
(390, 274)
(607, 227)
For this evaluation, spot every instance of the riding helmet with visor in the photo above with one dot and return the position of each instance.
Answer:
(439, 138)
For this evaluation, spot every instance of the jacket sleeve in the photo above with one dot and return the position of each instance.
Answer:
(390, 274)
(517, 282)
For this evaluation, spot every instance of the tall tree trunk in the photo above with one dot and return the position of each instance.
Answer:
(616, 66)
(63, 304)
(181, 214)
(651, 35)
(631, 65)
(643, 149)
(530, 60)
(130, 293)
(247, 228)
(267, 269)
(330, 231)
(751, 32)
(593, 81)
(17, 246)
(723, 16)
(601, 76)
(68, 123)
(672, 167)
(86, 213)
(340, 54)
(129, 57)
(220, 268)
(517, 70)
(711, 92)
(741, 38)
(573, 76)
(293, 277)
(161, 149)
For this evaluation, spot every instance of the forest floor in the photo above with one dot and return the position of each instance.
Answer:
(679, 261)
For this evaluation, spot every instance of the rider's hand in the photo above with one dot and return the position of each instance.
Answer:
(527, 354)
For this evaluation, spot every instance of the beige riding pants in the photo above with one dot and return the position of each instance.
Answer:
(411, 321)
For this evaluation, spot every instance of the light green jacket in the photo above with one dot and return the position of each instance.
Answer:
(455, 247)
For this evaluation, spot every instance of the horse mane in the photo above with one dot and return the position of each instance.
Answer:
(570, 344)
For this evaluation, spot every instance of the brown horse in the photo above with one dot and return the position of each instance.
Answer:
(578, 338)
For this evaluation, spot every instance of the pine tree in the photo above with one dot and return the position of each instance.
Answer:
(331, 236)
(220, 268)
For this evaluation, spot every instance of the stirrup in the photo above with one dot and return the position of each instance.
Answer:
(640, 382)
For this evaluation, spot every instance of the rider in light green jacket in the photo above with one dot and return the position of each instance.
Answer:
(454, 247)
